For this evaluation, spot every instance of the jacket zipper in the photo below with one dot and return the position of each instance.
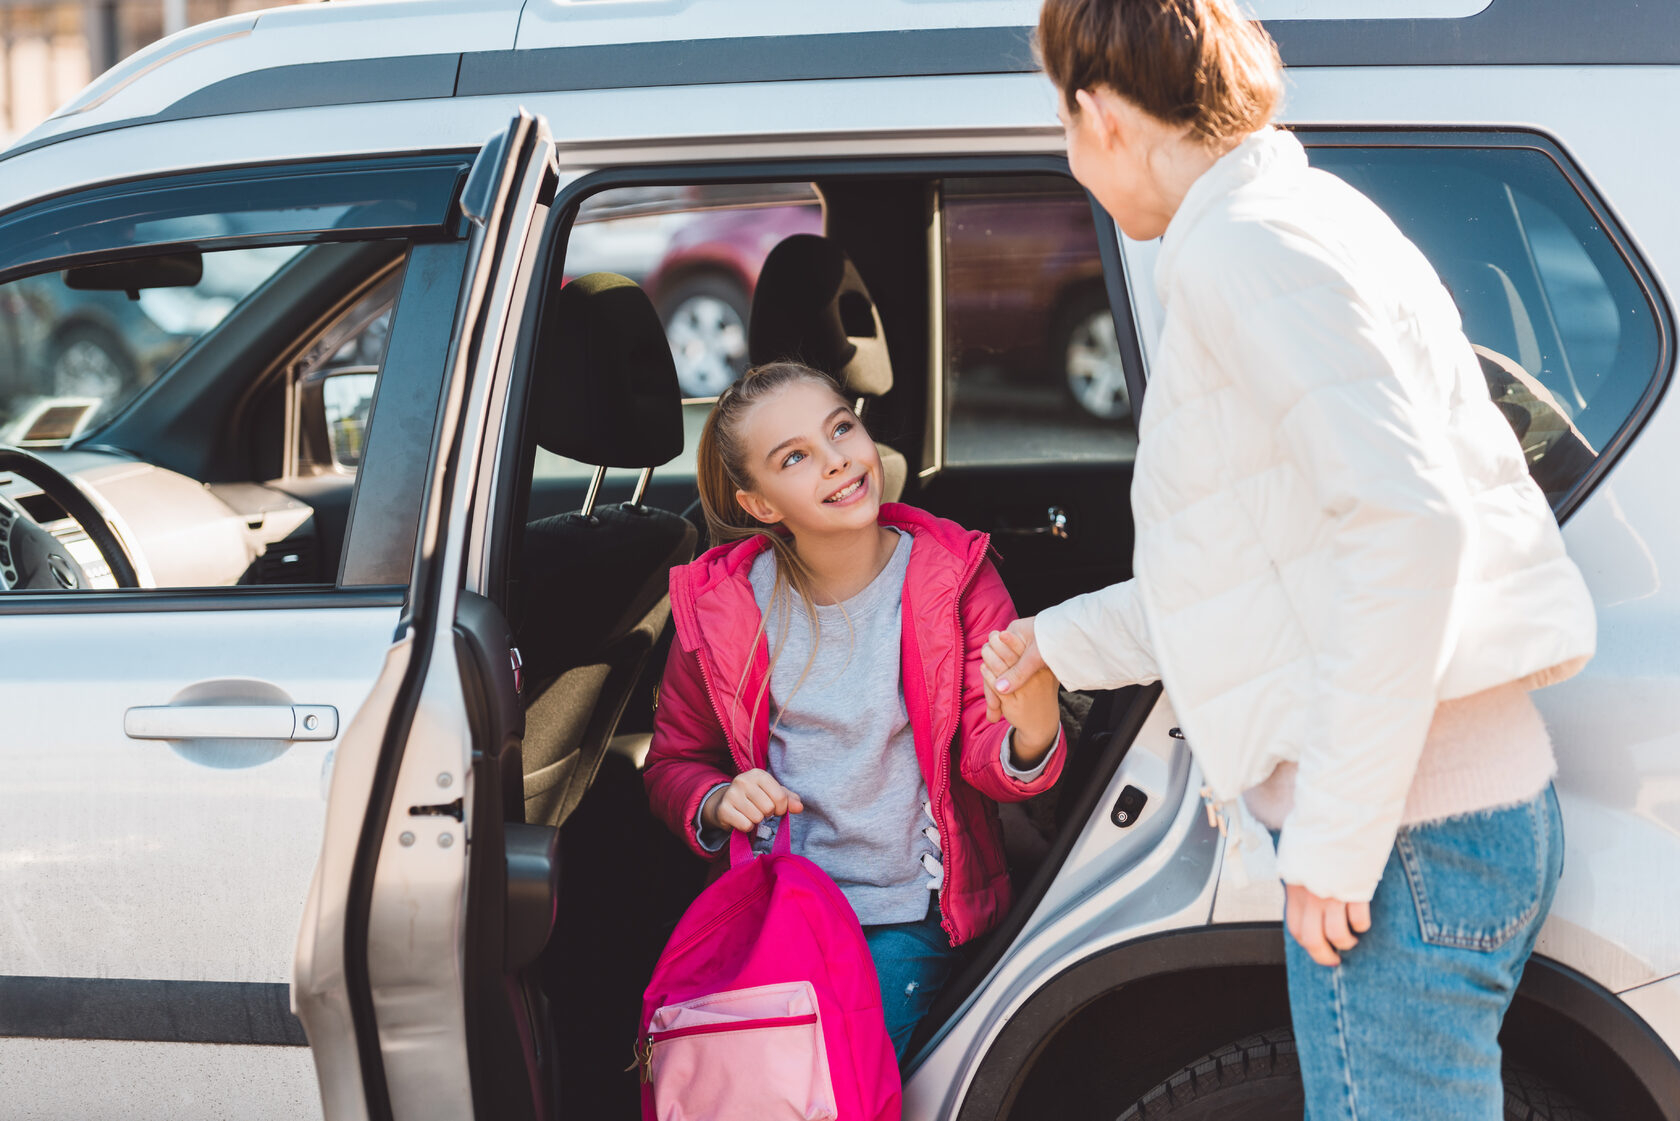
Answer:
(644, 1057)
(717, 711)
(944, 776)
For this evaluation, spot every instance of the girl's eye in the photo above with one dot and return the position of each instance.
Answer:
(842, 428)
(792, 458)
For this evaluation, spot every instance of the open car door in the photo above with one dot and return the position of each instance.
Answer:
(413, 1003)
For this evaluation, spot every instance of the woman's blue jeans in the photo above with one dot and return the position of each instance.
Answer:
(913, 961)
(1407, 1026)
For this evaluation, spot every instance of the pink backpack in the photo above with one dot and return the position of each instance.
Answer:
(765, 1005)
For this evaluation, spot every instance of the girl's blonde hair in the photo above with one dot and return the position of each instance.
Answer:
(722, 470)
(1187, 62)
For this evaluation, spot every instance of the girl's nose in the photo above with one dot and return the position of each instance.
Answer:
(837, 462)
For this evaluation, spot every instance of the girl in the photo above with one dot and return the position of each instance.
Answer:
(827, 672)
(1345, 576)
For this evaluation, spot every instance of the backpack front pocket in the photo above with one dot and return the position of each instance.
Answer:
(743, 1055)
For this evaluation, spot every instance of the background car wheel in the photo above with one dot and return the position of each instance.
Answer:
(1259, 1079)
(1086, 346)
(87, 361)
(706, 324)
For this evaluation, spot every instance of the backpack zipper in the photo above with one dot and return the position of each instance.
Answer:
(644, 1052)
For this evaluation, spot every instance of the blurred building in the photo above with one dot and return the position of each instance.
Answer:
(49, 49)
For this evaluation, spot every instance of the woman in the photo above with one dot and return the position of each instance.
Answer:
(1345, 577)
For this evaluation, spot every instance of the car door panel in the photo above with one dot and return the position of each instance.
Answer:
(389, 965)
(152, 886)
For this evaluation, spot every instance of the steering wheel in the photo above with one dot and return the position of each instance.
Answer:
(30, 557)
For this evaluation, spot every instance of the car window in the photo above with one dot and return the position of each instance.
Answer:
(1567, 336)
(75, 348)
(175, 356)
(1032, 366)
(697, 251)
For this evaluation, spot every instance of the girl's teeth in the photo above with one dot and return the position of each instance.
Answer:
(838, 495)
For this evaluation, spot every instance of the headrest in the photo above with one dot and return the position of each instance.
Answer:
(811, 306)
(606, 388)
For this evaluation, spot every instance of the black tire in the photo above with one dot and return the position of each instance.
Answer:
(1259, 1079)
(705, 320)
(1085, 352)
(85, 360)
(1256, 1079)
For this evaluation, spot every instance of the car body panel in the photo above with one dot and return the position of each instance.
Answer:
(185, 823)
(1615, 727)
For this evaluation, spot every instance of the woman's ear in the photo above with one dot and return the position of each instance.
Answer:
(1097, 115)
(757, 507)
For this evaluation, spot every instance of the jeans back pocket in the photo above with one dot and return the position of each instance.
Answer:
(1480, 879)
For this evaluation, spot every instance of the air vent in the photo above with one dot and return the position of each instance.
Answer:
(288, 562)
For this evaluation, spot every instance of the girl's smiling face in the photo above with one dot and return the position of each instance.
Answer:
(814, 467)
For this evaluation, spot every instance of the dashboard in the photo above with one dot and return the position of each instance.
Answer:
(179, 532)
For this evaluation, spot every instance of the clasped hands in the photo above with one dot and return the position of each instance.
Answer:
(1013, 668)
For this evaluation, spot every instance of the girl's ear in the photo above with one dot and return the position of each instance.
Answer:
(757, 507)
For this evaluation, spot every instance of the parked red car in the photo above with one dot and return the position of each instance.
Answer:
(1024, 293)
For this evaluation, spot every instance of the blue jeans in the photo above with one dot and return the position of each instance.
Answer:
(1408, 1025)
(913, 960)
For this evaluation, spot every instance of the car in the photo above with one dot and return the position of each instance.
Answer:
(328, 658)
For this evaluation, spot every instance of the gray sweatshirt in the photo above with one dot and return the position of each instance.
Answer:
(840, 738)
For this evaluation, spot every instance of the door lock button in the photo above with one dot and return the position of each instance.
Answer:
(1128, 806)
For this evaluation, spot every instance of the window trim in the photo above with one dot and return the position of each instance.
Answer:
(1332, 136)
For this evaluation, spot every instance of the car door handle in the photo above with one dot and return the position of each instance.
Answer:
(1055, 525)
(231, 722)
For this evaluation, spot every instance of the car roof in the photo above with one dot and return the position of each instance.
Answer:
(309, 79)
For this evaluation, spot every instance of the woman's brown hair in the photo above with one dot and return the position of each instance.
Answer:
(1187, 62)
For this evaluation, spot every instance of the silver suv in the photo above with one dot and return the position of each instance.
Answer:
(326, 655)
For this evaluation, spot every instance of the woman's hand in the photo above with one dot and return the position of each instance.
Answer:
(1323, 926)
(750, 797)
(1008, 664)
(1030, 706)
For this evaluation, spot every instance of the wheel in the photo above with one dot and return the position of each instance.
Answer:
(705, 321)
(1085, 344)
(1259, 1079)
(88, 361)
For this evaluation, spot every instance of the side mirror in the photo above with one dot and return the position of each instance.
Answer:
(333, 409)
(176, 270)
(346, 398)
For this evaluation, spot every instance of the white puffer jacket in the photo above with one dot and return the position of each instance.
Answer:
(1335, 526)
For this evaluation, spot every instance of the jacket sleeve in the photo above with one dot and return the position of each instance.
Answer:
(986, 607)
(689, 754)
(1326, 368)
(1099, 640)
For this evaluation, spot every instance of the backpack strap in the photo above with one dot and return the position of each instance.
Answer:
(740, 844)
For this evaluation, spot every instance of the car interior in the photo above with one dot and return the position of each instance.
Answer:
(210, 480)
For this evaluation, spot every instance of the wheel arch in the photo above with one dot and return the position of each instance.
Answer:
(1163, 1001)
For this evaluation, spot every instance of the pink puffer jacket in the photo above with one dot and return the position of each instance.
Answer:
(953, 599)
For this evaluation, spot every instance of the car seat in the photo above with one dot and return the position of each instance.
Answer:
(595, 580)
(811, 306)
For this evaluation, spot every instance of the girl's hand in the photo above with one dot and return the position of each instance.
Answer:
(1031, 706)
(751, 797)
(1323, 926)
(1008, 664)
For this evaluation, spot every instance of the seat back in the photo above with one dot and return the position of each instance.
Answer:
(811, 306)
(595, 579)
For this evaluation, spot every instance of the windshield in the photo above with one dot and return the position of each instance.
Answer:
(78, 345)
